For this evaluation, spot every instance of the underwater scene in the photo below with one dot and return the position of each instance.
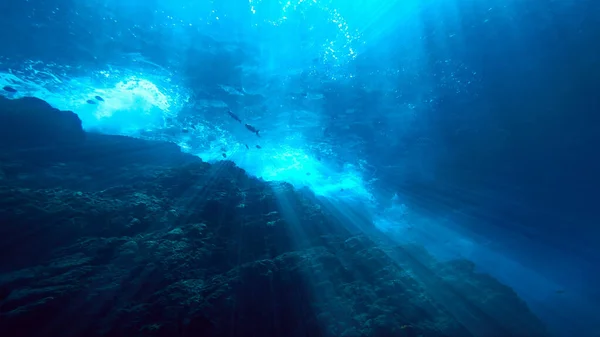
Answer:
(299, 168)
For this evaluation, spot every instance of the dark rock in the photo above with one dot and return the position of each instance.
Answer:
(124, 237)
(30, 122)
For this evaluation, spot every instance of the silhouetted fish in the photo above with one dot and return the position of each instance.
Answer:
(258, 147)
(9, 89)
(234, 116)
(89, 101)
(184, 130)
(99, 98)
(247, 146)
(253, 129)
(224, 155)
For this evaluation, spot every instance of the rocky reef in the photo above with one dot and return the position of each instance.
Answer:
(112, 236)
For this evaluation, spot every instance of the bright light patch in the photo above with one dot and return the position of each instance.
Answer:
(131, 105)
(274, 162)
(129, 93)
(112, 100)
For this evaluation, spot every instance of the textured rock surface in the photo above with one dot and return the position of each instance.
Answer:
(113, 236)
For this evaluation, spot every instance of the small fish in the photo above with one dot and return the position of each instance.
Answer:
(307, 173)
(89, 101)
(247, 147)
(224, 155)
(99, 98)
(184, 130)
(252, 129)
(9, 89)
(234, 116)
(193, 127)
(258, 147)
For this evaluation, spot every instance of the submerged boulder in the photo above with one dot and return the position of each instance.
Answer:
(31, 122)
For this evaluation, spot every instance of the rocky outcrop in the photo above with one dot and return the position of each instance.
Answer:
(123, 237)
(31, 122)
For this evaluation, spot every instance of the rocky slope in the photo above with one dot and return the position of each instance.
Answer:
(113, 236)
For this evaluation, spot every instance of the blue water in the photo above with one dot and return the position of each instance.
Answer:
(467, 127)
